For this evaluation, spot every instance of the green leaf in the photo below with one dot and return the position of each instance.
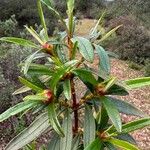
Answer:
(117, 89)
(70, 5)
(135, 125)
(40, 10)
(123, 144)
(85, 76)
(67, 89)
(17, 109)
(30, 85)
(95, 145)
(75, 142)
(89, 126)
(126, 137)
(108, 34)
(59, 73)
(125, 107)
(66, 142)
(28, 61)
(37, 69)
(132, 126)
(104, 62)
(19, 41)
(54, 120)
(85, 48)
(112, 113)
(34, 97)
(137, 82)
(34, 34)
(110, 146)
(39, 125)
(54, 144)
(23, 89)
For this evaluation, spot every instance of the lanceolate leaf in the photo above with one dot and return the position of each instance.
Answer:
(135, 125)
(19, 41)
(70, 4)
(126, 107)
(17, 109)
(103, 59)
(34, 97)
(85, 76)
(112, 113)
(85, 48)
(40, 125)
(54, 144)
(95, 145)
(53, 119)
(67, 89)
(75, 142)
(137, 82)
(66, 142)
(109, 33)
(30, 85)
(42, 18)
(123, 144)
(110, 146)
(23, 89)
(89, 126)
(132, 126)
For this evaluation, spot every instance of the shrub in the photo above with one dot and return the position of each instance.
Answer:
(8, 27)
(91, 121)
(133, 42)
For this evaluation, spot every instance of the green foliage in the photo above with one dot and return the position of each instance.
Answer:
(54, 94)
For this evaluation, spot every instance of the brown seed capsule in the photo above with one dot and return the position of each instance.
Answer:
(49, 96)
(100, 90)
(48, 48)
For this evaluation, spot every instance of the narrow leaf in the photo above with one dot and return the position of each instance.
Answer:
(126, 107)
(54, 144)
(19, 41)
(89, 126)
(21, 90)
(112, 113)
(34, 97)
(67, 89)
(123, 144)
(17, 109)
(53, 119)
(39, 125)
(85, 75)
(85, 48)
(137, 82)
(75, 142)
(95, 145)
(66, 142)
(104, 62)
(108, 34)
(30, 85)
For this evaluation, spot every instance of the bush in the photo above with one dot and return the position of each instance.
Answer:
(133, 41)
(8, 27)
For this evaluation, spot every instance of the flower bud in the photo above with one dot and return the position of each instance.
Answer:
(49, 96)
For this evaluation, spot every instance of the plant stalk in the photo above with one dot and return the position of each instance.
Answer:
(75, 107)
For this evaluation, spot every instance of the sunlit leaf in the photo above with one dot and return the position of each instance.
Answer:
(89, 126)
(17, 109)
(85, 48)
(66, 141)
(123, 144)
(67, 89)
(53, 119)
(137, 82)
(39, 125)
(19, 41)
(112, 113)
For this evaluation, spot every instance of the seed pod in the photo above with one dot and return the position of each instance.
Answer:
(49, 96)
(100, 89)
(48, 48)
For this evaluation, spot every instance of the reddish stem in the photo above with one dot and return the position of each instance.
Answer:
(75, 107)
